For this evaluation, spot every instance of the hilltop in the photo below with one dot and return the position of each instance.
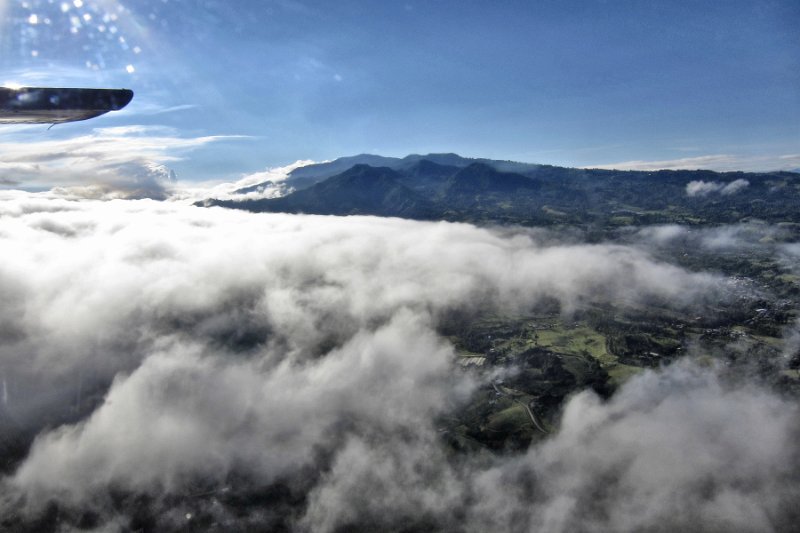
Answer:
(451, 187)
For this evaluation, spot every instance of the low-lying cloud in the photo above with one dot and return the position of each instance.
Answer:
(268, 183)
(704, 188)
(742, 236)
(197, 358)
(673, 450)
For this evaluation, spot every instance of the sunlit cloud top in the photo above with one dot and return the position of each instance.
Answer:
(116, 159)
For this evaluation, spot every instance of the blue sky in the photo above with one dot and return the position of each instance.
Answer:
(227, 88)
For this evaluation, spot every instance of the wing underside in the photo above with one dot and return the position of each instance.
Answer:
(45, 105)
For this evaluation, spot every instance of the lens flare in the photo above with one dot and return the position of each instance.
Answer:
(98, 35)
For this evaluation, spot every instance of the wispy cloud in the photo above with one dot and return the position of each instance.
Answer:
(68, 76)
(118, 158)
(150, 109)
(719, 162)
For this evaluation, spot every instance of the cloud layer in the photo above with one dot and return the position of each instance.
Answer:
(115, 162)
(264, 184)
(200, 357)
(718, 162)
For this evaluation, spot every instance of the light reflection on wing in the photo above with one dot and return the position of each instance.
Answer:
(44, 105)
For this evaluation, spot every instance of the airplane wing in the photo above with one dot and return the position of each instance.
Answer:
(46, 105)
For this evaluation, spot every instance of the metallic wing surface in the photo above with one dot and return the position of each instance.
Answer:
(51, 105)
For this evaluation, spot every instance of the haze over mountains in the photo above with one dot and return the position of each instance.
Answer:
(450, 187)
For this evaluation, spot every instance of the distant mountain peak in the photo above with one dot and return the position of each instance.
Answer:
(480, 176)
(451, 187)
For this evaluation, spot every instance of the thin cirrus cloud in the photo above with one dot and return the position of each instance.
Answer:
(718, 162)
(123, 161)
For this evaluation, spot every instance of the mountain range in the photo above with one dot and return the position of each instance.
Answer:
(451, 187)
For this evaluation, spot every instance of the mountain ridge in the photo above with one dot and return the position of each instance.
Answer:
(360, 190)
(451, 187)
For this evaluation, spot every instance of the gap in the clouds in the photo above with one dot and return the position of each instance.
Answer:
(330, 373)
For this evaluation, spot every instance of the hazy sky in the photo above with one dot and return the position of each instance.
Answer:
(242, 85)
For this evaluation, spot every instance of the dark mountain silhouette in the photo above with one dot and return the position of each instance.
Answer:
(447, 160)
(426, 177)
(450, 187)
(481, 178)
(361, 190)
(254, 188)
(304, 177)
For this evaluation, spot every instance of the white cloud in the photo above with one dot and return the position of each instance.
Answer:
(676, 450)
(735, 186)
(265, 184)
(665, 234)
(704, 188)
(718, 162)
(121, 161)
(754, 237)
(203, 350)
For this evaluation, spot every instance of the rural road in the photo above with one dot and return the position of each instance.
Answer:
(527, 409)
